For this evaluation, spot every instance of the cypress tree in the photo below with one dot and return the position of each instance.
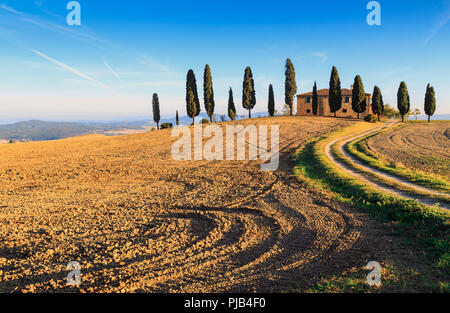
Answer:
(271, 104)
(177, 119)
(248, 92)
(377, 102)
(231, 107)
(315, 100)
(359, 104)
(192, 102)
(430, 102)
(290, 84)
(156, 114)
(208, 92)
(335, 94)
(403, 101)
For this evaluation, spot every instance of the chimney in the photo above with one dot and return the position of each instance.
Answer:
(351, 87)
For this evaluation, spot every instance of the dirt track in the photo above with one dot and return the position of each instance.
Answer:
(137, 220)
(390, 189)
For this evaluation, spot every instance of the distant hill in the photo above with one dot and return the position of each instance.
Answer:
(438, 117)
(41, 130)
(36, 130)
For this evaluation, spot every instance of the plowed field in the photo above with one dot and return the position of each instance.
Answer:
(138, 221)
(421, 146)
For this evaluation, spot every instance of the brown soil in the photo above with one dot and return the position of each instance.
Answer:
(421, 146)
(138, 221)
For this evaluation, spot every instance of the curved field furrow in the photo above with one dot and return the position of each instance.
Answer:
(421, 146)
(138, 221)
(335, 151)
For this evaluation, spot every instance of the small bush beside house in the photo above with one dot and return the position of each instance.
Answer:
(166, 125)
(370, 118)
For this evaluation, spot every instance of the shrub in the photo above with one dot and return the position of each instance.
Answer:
(370, 118)
(166, 125)
(205, 121)
(232, 114)
(390, 112)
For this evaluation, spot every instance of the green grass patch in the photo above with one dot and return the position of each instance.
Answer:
(386, 181)
(354, 280)
(421, 225)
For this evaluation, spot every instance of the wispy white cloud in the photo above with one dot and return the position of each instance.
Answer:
(80, 33)
(9, 9)
(71, 69)
(322, 55)
(113, 72)
(149, 61)
(440, 23)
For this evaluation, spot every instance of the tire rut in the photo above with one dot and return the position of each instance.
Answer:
(342, 142)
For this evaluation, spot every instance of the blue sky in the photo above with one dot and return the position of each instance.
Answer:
(124, 51)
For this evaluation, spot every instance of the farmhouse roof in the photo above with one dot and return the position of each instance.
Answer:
(325, 92)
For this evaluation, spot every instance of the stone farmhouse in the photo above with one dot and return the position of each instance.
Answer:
(304, 104)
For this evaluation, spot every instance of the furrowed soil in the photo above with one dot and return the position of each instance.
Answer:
(138, 221)
(421, 146)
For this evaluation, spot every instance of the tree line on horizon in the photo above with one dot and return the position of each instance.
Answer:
(359, 98)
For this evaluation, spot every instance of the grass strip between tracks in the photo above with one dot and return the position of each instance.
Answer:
(421, 225)
(386, 181)
(360, 150)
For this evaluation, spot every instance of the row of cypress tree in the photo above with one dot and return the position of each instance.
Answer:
(359, 100)
(404, 104)
(248, 93)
